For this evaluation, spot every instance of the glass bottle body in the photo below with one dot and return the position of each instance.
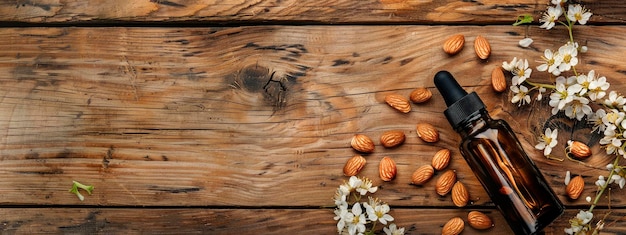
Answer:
(508, 175)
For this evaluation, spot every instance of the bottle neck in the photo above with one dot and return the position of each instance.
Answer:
(473, 123)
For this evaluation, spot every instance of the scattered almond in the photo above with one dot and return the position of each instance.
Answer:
(422, 175)
(454, 226)
(579, 150)
(398, 102)
(479, 220)
(482, 47)
(427, 132)
(498, 81)
(445, 182)
(420, 95)
(362, 143)
(387, 169)
(460, 195)
(392, 138)
(354, 165)
(454, 44)
(575, 187)
(441, 159)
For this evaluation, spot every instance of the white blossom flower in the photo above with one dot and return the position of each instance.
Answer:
(582, 218)
(393, 230)
(366, 187)
(550, 17)
(597, 86)
(561, 96)
(596, 120)
(340, 198)
(588, 199)
(378, 212)
(510, 66)
(525, 42)
(520, 72)
(615, 100)
(568, 56)
(355, 220)
(520, 95)
(577, 13)
(578, 108)
(612, 141)
(548, 141)
(351, 186)
(551, 62)
(340, 215)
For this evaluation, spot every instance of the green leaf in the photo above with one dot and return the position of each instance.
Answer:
(523, 19)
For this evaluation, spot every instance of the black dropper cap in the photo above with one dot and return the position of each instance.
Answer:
(461, 105)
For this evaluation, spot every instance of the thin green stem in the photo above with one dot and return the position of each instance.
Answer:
(605, 185)
(536, 84)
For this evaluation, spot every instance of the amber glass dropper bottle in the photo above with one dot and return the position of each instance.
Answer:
(498, 160)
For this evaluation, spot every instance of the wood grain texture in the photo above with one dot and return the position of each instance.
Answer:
(257, 116)
(246, 221)
(291, 11)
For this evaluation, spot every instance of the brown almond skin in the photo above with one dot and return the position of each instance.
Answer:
(427, 132)
(498, 81)
(482, 47)
(579, 150)
(422, 175)
(441, 160)
(454, 44)
(575, 187)
(454, 226)
(354, 165)
(387, 169)
(479, 220)
(393, 138)
(362, 143)
(398, 102)
(445, 182)
(460, 195)
(420, 95)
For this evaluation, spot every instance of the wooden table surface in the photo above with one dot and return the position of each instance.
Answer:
(169, 109)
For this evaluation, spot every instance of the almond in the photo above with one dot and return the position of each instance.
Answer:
(387, 169)
(441, 159)
(398, 102)
(498, 81)
(420, 95)
(362, 143)
(579, 150)
(427, 132)
(454, 226)
(422, 175)
(575, 187)
(445, 182)
(482, 47)
(354, 165)
(393, 138)
(460, 195)
(479, 220)
(454, 44)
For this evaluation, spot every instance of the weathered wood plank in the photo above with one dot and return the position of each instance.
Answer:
(180, 117)
(245, 221)
(293, 11)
